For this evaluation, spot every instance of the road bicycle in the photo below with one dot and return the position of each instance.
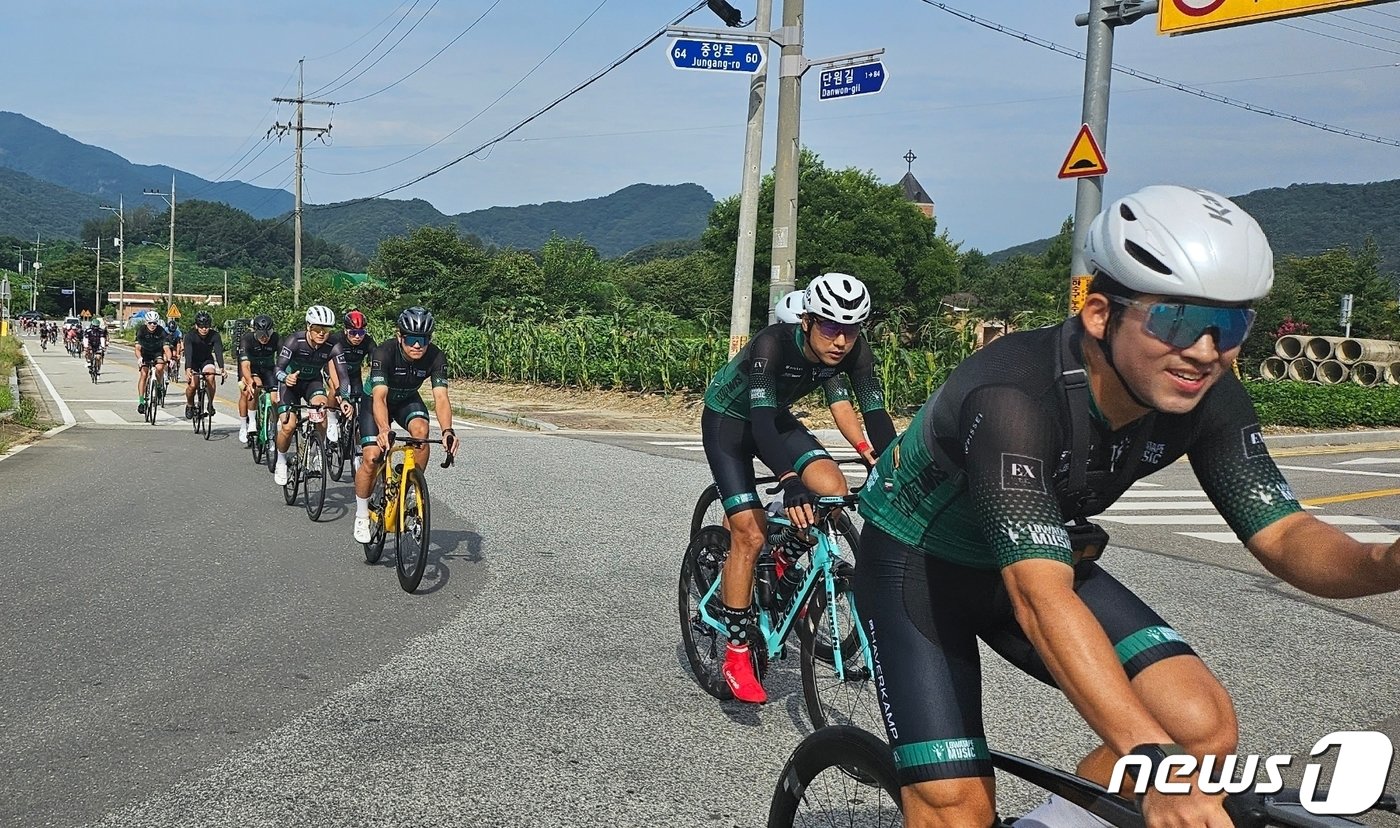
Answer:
(260, 435)
(204, 406)
(802, 581)
(94, 366)
(155, 391)
(846, 776)
(400, 504)
(347, 447)
(306, 461)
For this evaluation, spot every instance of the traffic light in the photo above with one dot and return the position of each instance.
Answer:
(726, 12)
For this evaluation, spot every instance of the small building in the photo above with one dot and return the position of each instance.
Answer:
(133, 302)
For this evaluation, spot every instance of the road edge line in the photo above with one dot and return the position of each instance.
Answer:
(68, 418)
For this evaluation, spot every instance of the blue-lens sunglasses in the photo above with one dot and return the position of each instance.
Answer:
(1180, 324)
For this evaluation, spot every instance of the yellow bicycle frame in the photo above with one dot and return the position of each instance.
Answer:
(394, 487)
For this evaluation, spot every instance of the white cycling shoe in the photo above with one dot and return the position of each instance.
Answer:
(279, 474)
(243, 433)
(362, 530)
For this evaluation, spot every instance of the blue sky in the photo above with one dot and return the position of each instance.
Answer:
(189, 83)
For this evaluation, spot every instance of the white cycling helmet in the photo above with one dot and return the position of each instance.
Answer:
(839, 297)
(791, 307)
(152, 316)
(320, 315)
(1181, 241)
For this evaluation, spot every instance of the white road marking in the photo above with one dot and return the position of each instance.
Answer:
(1340, 471)
(1166, 493)
(1229, 537)
(1370, 461)
(1180, 504)
(68, 418)
(105, 416)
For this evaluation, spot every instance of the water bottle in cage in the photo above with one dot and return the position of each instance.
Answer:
(765, 579)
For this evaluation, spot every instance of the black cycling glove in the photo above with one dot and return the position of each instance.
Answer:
(796, 494)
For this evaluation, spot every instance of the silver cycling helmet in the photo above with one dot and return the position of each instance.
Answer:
(791, 307)
(320, 315)
(1181, 241)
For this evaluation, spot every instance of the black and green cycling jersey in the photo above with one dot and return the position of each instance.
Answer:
(772, 372)
(1002, 421)
(389, 366)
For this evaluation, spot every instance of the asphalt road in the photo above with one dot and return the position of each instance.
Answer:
(184, 649)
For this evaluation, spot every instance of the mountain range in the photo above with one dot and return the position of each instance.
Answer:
(50, 184)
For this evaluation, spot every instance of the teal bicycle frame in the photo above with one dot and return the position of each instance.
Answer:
(824, 559)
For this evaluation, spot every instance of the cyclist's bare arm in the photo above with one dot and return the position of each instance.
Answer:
(1319, 558)
(844, 413)
(379, 399)
(442, 406)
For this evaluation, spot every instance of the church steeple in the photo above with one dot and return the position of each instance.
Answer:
(913, 190)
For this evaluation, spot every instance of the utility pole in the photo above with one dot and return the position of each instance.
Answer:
(791, 67)
(170, 273)
(282, 129)
(34, 296)
(1103, 17)
(742, 308)
(97, 289)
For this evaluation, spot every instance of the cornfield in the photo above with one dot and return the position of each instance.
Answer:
(641, 354)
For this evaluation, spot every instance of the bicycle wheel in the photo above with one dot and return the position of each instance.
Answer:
(335, 456)
(847, 698)
(255, 437)
(704, 646)
(706, 513)
(151, 390)
(314, 475)
(411, 541)
(198, 419)
(289, 489)
(270, 426)
(820, 783)
(375, 547)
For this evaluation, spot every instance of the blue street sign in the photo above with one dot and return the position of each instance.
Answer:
(866, 79)
(717, 55)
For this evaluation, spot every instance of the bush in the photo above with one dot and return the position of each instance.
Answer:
(1324, 406)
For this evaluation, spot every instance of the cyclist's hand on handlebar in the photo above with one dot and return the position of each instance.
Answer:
(1194, 809)
(450, 441)
(382, 440)
(345, 408)
(292, 378)
(798, 501)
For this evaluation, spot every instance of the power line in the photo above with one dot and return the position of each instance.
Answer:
(579, 88)
(1180, 87)
(429, 60)
(221, 176)
(1298, 28)
(1372, 25)
(361, 37)
(484, 109)
(1323, 21)
(386, 51)
(371, 51)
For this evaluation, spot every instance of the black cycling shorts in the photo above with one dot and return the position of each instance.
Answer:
(267, 375)
(730, 450)
(305, 390)
(923, 616)
(401, 413)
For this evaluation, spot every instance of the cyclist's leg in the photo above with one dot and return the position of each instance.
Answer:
(922, 616)
(190, 379)
(819, 472)
(287, 420)
(729, 451)
(210, 372)
(413, 416)
(1168, 677)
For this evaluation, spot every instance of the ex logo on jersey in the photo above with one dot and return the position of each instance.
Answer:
(1021, 472)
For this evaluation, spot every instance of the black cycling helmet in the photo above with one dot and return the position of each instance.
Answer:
(203, 320)
(262, 323)
(416, 321)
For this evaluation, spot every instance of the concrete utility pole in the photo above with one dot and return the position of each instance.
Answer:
(741, 311)
(97, 289)
(1103, 17)
(120, 210)
(170, 271)
(282, 129)
(791, 67)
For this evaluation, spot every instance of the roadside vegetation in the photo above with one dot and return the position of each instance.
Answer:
(23, 425)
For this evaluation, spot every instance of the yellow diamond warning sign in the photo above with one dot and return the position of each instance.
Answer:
(1085, 158)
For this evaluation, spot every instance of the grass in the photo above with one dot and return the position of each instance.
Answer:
(24, 425)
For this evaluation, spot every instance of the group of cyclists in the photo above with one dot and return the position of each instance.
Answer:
(321, 366)
(976, 517)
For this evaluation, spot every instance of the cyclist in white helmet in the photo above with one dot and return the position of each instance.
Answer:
(789, 311)
(305, 354)
(976, 519)
(152, 349)
(747, 415)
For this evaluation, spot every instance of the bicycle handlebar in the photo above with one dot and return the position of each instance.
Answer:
(421, 441)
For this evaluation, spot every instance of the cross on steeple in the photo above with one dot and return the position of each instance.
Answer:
(909, 159)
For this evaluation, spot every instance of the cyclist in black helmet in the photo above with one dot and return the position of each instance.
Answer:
(257, 365)
(397, 368)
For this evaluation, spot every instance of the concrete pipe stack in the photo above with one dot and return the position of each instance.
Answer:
(1328, 360)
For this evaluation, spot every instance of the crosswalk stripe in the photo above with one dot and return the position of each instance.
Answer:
(1180, 504)
(104, 416)
(1165, 493)
(1362, 537)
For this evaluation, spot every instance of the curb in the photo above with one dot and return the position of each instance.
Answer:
(513, 419)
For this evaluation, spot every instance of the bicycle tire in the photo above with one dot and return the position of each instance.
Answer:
(255, 441)
(830, 699)
(271, 424)
(151, 397)
(314, 476)
(415, 524)
(701, 516)
(704, 647)
(807, 795)
(289, 489)
(375, 547)
(335, 454)
(198, 419)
